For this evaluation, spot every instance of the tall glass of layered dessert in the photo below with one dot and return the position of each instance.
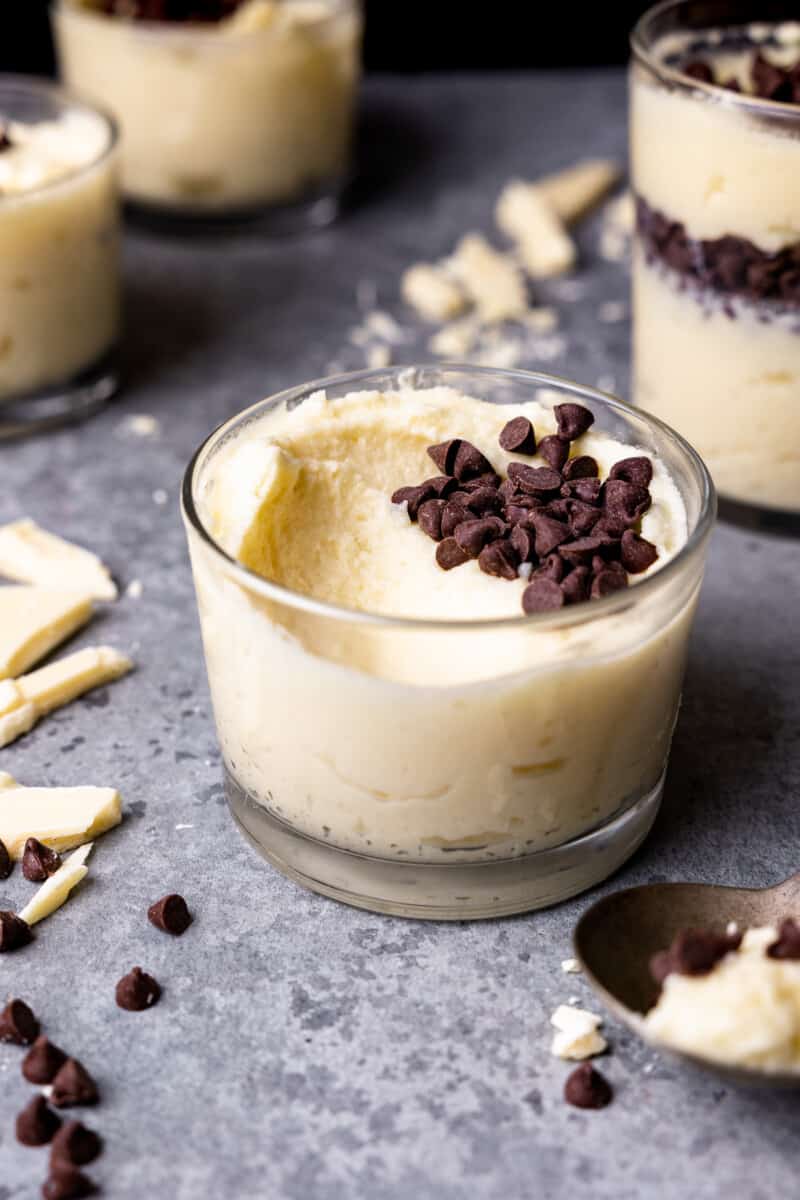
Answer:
(227, 108)
(445, 614)
(715, 145)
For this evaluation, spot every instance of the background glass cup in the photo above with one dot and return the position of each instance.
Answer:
(360, 750)
(224, 121)
(59, 274)
(713, 357)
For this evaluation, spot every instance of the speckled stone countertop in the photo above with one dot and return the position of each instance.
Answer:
(303, 1050)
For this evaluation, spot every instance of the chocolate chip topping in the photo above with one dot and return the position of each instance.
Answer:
(75, 1145)
(582, 467)
(524, 543)
(449, 554)
(693, 952)
(518, 437)
(473, 535)
(170, 914)
(18, 1024)
(39, 862)
(542, 595)
(195, 11)
(699, 69)
(6, 862)
(573, 420)
(637, 470)
(429, 518)
(5, 141)
(554, 450)
(625, 501)
(460, 459)
(43, 1061)
(67, 1183)
(536, 481)
(73, 1085)
(636, 553)
(499, 558)
(576, 586)
(788, 944)
(414, 497)
(37, 1123)
(587, 1088)
(137, 991)
(586, 490)
(14, 932)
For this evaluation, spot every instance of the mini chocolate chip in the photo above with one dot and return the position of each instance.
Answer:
(39, 862)
(607, 581)
(523, 541)
(584, 549)
(549, 534)
(170, 914)
(788, 943)
(75, 1145)
(582, 467)
(472, 536)
(499, 558)
(429, 518)
(519, 514)
(573, 420)
(453, 515)
(587, 1088)
(693, 952)
(137, 991)
(613, 527)
(553, 567)
(537, 481)
(490, 480)
(444, 455)
(14, 932)
(440, 485)
(37, 1123)
(625, 500)
(508, 490)
(43, 1061)
(469, 462)
(414, 497)
(699, 69)
(587, 490)
(518, 437)
(576, 585)
(582, 517)
(67, 1183)
(18, 1024)
(449, 554)
(6, 862)
(554, 450)
(636, 553)
(484, 500)
(633, 470)
(542, 595)
(560, 509)
(73, 1085)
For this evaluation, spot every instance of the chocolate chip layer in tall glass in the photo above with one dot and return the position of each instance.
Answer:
(715, 146)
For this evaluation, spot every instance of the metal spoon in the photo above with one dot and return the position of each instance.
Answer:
(615, 939)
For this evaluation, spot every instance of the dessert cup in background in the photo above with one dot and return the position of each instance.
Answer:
(716, 270)
(442, 768)
(59, 256)
(249, 116)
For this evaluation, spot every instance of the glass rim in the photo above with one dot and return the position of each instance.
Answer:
(569, 616)
(643, 49)
(201, 30)
(32, 85)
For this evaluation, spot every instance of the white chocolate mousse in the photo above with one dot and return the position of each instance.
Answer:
(250, 111)
(59, 272)
(440, 743)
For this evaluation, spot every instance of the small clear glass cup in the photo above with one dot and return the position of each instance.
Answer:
(715, 355)
(60, 291)
(237, 123)
(447, 769)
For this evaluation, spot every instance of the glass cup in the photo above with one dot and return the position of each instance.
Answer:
(447, 769)
(716, 308)
(249, 117)
(59, 259)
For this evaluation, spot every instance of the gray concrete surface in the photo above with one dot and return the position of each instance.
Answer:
(303, 1050)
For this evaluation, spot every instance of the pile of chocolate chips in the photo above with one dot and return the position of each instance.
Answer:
(576, 533)
(697, 951)
(197, 11)
(767, 81)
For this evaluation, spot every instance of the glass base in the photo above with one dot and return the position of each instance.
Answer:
(451, 891)
(80, 397)
(778, 521)
(314, 211)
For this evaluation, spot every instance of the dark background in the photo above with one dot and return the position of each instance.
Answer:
(409, 35)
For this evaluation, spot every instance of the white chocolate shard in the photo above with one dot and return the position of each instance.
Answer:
(33, 620)
(59, 817)
(571, 966)
(55, 890)
(575, 191)
(523, 214)
(432, 292)
(31, 554)
(577, 1034)
(23, 701)
(491, 279)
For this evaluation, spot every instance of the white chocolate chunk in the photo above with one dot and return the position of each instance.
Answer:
(33, 620)
(55, 685)
(456, 339)
(571, 966)
(575, 191)
(431, 291)
(55, 890)
(492, 280)
(7, 780)
(577, 1035)
(544, 246)
(32, 555)
(59, 817)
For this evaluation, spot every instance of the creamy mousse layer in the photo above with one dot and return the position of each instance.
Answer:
(480, 742)
(59, 274)
(255, 109)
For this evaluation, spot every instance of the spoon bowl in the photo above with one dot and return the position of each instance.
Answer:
(615, 939)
